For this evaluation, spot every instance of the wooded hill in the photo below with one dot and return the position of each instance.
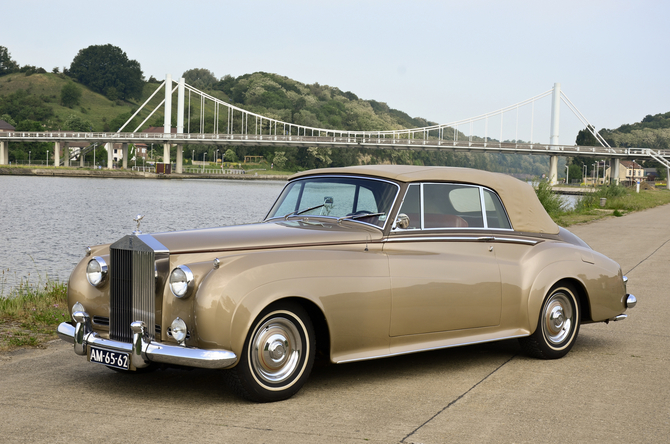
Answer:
(651, 132)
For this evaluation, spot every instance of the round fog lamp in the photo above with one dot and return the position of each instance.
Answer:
(96, 271)
(178, 330)
(77, 307)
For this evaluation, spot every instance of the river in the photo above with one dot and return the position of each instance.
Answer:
(47, 222)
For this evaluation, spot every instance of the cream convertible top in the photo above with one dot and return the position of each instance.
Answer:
(524, 209)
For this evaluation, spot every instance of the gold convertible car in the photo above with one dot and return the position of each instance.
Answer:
(349, 264)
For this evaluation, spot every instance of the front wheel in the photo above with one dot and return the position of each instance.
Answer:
(557, 326)
(278, 355)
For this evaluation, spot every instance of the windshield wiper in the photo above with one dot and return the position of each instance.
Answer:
(296, 212)
(358, 216)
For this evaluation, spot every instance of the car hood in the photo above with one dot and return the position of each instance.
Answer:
(267, 235)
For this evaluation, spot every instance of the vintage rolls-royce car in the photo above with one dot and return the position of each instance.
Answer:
(349, 264)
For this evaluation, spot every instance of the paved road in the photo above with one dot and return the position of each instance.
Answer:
(614, 386)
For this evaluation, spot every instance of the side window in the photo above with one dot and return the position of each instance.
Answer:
(452, 206)
(411, 206)
(496, 217)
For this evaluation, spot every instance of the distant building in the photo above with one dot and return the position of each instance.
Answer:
(651, 174)
(141, 151)
(6, 127)
(629, 171)
(117, 151)
(158, 129)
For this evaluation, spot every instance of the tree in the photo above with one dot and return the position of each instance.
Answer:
(19, 150)
(230, 156)
(322, 154)
(7, 65)
(75, 123)
(279, 159)
(200, 78)
(586, 138)
(7, 118)
(112, 94)
(101, 67)
(70, 95)
(23, 106)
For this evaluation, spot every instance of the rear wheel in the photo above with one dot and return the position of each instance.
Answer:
(278, 355)
(558, 324)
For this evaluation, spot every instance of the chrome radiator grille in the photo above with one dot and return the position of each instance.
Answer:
(132, 288)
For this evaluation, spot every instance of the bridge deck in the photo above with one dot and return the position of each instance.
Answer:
(334, 142)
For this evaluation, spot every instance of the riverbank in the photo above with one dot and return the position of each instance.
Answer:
(126, 174)
(601, 202)
(30, 314)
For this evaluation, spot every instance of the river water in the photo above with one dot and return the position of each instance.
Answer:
(47, 222)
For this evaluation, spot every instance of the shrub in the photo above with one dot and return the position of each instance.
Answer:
(551, 202)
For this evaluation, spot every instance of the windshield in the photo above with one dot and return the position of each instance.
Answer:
(364, 200)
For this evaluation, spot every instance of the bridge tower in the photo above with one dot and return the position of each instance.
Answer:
(553, 138)
(167, 120)
(180, 123)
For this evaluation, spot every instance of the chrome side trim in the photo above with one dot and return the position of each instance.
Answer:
(513, 240)
(409, 352)
(453, 229)
(510, 240)
(142, 350)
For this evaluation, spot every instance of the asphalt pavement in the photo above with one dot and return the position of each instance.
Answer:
(614, 386)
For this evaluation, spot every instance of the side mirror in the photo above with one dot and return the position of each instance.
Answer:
(402, 221)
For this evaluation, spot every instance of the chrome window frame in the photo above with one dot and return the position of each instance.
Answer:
(338, 176)
(482, 205)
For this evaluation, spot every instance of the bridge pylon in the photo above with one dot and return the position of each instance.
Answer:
(553, 137)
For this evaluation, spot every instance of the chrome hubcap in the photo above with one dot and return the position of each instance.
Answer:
(276, 350)
(557, 318)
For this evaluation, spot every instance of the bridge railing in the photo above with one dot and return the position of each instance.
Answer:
(357, 140)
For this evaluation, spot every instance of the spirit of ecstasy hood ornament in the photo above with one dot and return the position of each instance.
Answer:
(137, 219)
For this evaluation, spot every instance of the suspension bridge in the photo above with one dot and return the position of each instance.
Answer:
(233, 125)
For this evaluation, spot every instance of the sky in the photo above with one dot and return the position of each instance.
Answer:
(440, 60)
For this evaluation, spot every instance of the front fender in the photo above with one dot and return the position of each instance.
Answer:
(347, 282)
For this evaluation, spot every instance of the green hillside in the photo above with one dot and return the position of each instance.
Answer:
(46, 88)
(32, 101)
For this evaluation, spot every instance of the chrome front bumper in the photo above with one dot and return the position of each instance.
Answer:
(142, 351)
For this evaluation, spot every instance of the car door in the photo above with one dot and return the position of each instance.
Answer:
(444, 273)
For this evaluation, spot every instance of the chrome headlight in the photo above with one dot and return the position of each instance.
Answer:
(96, 271)
(181, 281)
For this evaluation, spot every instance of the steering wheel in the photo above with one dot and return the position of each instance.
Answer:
(360, 213)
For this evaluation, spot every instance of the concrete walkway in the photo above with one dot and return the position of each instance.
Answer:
(614, 386)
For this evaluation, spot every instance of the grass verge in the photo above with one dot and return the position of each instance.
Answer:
(29, 314)
(620, 200)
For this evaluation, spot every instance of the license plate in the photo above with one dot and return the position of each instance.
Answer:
(110, 358)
